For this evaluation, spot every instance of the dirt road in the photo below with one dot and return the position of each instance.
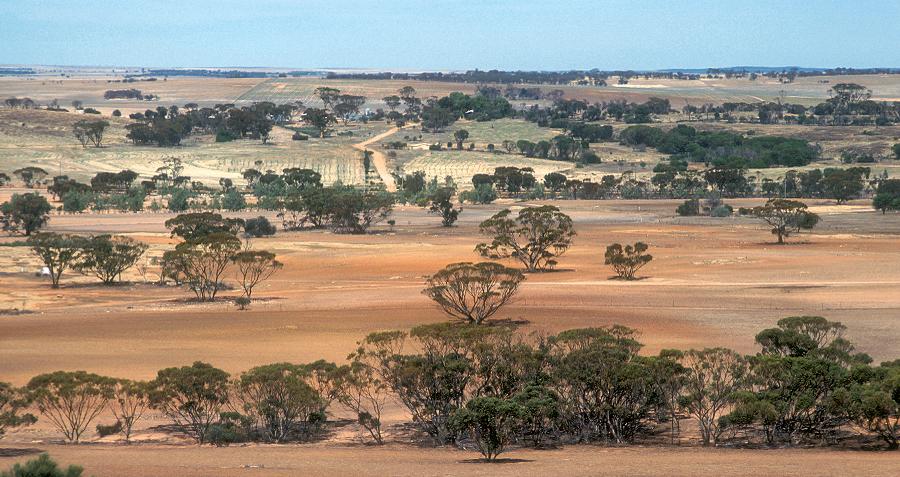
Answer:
(378, 158)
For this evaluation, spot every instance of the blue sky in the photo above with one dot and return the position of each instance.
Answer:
(442, 35)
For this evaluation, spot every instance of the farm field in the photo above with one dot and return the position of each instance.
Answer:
(712, 282)
(44, 139)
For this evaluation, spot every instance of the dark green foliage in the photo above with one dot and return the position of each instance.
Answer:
(43, 466)
(689, 208)
(440, 202)
(107, 256)
(887, 195)
(12, 404)
(482, 194)
(26, 212)
(233, 201)
(490, 422)
(192, 396)
(353, 211)
(259, 227)
(196, 225)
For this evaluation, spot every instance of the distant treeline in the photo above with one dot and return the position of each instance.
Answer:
(127, 94)
(16, 71)
(598, 77)
(528, 77)
(210, 73)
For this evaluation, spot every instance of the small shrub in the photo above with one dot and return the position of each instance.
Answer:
(434, 147)
(43, 466)
(689, 208)
(108, 430)
(259, 227)
(723, 210)
(299, 137)
(242, 302)
(225, 136)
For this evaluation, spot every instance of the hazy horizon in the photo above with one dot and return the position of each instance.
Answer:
(418, 35)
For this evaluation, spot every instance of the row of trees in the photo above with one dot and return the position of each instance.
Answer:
(492, 387)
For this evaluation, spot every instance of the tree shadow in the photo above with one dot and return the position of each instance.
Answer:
(506, 322)
(786, 244)
(19, 452)
(505, 460)
(550, 270)
(621, 279)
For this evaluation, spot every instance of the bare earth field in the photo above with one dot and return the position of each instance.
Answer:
(712, 282)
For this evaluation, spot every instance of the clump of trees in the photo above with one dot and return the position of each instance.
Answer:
(494, 387)
(104, 256)
(887, 195)
(90, 132)
(209, 247)
(536, 237)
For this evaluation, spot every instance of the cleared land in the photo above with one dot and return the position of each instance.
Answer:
(713, 282)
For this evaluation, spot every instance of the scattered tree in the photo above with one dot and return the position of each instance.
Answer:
(26, 212)
(627, 260)
(785, 216)
(254, 267)
(473, 292)
(440, 202)
(203, 262)
(460, 136)
(90, 132)
(277, 396)
(57, 252)
(536, 237)
(108, 256)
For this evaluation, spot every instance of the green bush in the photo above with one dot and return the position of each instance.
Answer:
(723, 210)
(43, 466)
(225, 136)
(482, 194)
(689, 208)
(259, 227)
(109, 430)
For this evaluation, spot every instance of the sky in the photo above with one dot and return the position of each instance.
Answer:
(439, 35)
